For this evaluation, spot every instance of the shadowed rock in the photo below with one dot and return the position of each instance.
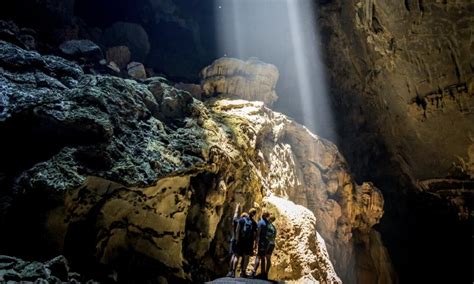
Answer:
(128, 34)
(120, 55)
(84, 50)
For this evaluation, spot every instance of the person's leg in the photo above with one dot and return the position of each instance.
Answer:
(243, 266)
(235, 262)
(263, 266)
(268, 256)
(269, 263)
(232, 266)
(231, 270)
(255, 266)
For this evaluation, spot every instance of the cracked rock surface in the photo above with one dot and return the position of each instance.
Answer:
(139, 180)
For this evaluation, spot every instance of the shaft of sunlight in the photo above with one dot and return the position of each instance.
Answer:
(283, 33)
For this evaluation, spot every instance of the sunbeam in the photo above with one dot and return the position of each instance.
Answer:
(283, 33)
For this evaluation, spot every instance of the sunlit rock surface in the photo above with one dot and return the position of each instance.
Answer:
(139, 180)
(297, 233)
(251, 80)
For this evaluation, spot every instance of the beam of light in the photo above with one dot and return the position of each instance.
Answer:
(229, 31)
(312, 89)
(283, 33)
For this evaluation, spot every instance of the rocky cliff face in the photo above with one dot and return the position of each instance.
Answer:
(137, 181)
(402, 74)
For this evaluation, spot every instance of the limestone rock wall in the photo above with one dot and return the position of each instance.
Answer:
(137, 181)
(402, 79)
(297, 232)
(409, 69)
(309, 171)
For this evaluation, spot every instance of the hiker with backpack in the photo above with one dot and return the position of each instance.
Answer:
(245, 236)
(265, 239)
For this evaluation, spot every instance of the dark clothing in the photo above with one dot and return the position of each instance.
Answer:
(245, 244)
(244, 247)
(265, 248)
(265, 245)
(270, 248)
(242, 222)
(262, 225)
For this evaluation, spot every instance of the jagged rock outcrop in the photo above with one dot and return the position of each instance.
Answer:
(84, 50)
(138, 180)
(297, 233)
(10, 32)
(311, 172)
(249, 80)
(56, 270)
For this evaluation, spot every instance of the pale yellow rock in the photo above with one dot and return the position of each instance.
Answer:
(308, 170)
(250, 80)
(300, 253)
(248, 153)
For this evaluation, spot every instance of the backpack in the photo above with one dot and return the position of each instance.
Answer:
(271, 233)
(246, 229)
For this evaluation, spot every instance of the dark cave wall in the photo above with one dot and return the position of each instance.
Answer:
(402, 81)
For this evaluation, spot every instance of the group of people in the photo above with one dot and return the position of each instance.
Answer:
(249, 236)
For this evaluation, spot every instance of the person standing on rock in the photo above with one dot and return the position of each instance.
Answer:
(246, 233)
(266, 233)
(233, 243)
(271, 236)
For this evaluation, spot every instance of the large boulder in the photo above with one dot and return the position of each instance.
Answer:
(84, 50)
(251, 80)
(296, 226)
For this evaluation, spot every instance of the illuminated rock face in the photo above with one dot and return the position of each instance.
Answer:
(297, 234)
(142, 179)
(251, 80)
(304, 168)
